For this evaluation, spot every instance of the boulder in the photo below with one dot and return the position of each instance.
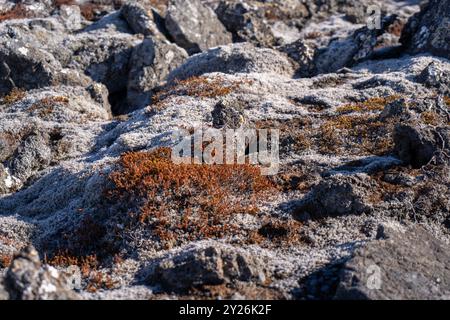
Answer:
(112, 22)
(209, 264)
(407, 266)
(25, 67)
(195, 27)
(33, 154)
(246, 23)
(102, 56)
(398, 108)
(34, 54)
(436, 75)
(28, 279)
(142, 20)
(45, 126)
(150, 63)
(354, 11)
(71, 17)
(428, 30)
(345, 52)
(418, 144)
(235, 58)
(338, 195)
(264, 24)
(302, 52)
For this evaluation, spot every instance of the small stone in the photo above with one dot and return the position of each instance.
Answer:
(417, 144)
(228, 114)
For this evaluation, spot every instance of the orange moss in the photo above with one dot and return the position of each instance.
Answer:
(365, 133)
(64, 259)
(447, 101)
(294, 132)
(99, 280)
(14, 96)
(59, 3)
(17, 12)
(351, 130)
(47, 105)
(373, 104)
(186, 201)
(88, 265)
(313, 35)
(88, 10)
(430, 118)
(5, 260)
(199, 87)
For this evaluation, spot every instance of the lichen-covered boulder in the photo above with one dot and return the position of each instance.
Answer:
(150, 63)
(28, 279)
(194, 26)
(22, 66)
(436, 75)
(235, 58)
(142, 20)
(411, 265)
(429, 30)
(339, 195)
(418, 144)
(206, 264)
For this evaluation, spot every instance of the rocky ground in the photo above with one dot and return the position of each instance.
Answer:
(91, 206)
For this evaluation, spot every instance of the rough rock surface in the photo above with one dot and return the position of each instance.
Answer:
(304, 55)
(195, 27)
(436, 75)
(407, 266)
(235, 58)
(228, 115)
(151, 62)
(425, 33)
(418, 145)
(246, 23)
(27, 279)
(146, 22)
(345, 52)
(339, 195)
(206, 265)
(103, 57)
(21, 59)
